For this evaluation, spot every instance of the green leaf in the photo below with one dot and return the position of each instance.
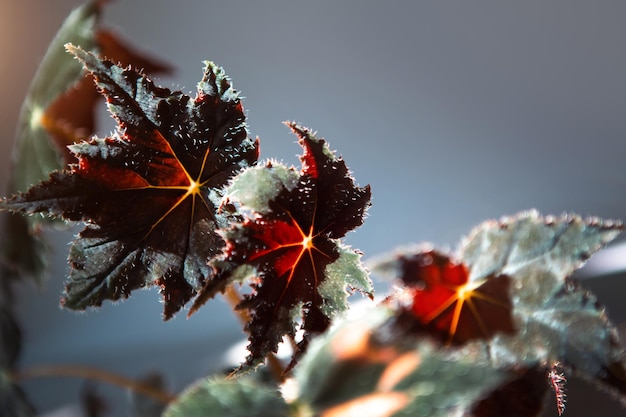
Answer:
(35, 155)
(539, 315)
(233, 398)
(13, 401)
(59, 109)
(556, 320)
(356, 366)
(149, 193)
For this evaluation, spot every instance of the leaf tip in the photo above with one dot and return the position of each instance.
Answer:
(75, 50)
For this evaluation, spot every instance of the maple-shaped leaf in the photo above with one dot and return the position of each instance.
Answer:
(289, 243)
(59, 109)
(556, 320)
(147, 193)
(553, 320)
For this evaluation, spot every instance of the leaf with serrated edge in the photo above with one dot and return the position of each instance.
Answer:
(148, 193)
(558, 321)
(290, 237)
(554, 320)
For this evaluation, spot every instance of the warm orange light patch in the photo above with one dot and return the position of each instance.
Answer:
(398, 369)
(462, 295)
(194, 188)
(307, 243)
(372, 405)
(191, 189)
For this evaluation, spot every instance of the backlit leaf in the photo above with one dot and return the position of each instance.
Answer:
(551, 318)
(289, 244)
(147, 193)
(445, 302)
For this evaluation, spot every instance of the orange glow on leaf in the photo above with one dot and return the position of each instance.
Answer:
(446, 302)
(372, 405)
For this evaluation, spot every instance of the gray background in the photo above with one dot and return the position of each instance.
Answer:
(453, 111)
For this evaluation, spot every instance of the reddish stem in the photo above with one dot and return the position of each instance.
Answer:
(79, 371)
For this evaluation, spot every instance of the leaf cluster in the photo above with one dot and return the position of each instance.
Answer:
(176, 198)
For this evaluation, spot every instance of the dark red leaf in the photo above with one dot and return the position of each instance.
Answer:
(147, 193)
(522, 397)
(446, 303)
(518, 283)
(289, 241)
(70, 118)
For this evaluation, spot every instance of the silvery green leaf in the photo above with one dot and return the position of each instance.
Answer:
(356, 365)
(241, 397)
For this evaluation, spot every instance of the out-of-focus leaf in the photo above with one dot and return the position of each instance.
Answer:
(524, 396)
(290, 244)
(9, 339)
(357, 370)
(446, 304)
(35, 155)
(557, 321)
(59, 109)
(92, 404)
(233, 398)
(60, 103)
(13, 401)
(144, 406)
(553, 319)
(21, 246)
(148, 193)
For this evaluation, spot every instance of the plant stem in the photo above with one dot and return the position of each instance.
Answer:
(234, 298)
(96, 374)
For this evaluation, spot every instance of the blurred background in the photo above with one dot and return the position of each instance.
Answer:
(453, 111)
